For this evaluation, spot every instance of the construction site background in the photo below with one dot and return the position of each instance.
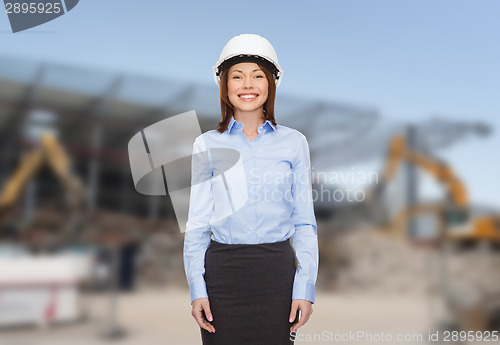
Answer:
(407, 210)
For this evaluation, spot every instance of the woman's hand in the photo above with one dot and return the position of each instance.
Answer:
(199, 305)
(306, 310)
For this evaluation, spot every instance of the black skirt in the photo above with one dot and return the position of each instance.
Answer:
(249, 287)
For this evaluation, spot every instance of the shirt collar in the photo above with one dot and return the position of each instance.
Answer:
(233, 122)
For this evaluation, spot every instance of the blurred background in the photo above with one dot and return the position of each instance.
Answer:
(398, 100)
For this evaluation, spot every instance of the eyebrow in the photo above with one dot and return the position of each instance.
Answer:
(237, 70)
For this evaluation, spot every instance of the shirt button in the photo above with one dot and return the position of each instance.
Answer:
(250, 202)
(251, 228)
(250, 155)
(250, 177)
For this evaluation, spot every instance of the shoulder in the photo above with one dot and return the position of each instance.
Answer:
(206, 137)
(292, 133)
(213, 139)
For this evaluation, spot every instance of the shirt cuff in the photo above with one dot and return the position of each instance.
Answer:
(198, 290)
(303, 290)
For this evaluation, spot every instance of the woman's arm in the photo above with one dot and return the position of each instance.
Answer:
(305, 238)
(197, 236)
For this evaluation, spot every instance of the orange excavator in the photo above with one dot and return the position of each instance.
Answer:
(453, 214)
(53, 153)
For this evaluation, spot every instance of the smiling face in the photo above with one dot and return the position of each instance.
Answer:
(247, 87)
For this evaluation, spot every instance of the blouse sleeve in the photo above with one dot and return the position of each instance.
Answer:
(305, 238)
(197, 236)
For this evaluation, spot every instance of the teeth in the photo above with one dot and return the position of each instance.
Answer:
(248, 96)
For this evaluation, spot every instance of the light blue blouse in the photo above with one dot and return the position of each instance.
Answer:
(250, 192)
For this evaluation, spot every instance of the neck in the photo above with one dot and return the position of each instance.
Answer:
(250, 119)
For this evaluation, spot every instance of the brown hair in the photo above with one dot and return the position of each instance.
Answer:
(227, 109)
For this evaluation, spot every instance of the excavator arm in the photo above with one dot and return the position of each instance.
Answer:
(14, 187)
(453, 211)
(398, 152)
(49, 151)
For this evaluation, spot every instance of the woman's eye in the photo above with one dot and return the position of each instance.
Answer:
(260, 76)
(235, 77)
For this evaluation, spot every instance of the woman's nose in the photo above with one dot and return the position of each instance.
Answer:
(247, 83)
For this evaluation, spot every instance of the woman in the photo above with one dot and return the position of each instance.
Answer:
(248, 284)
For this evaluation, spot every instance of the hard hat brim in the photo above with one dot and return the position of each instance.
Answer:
(226, 64)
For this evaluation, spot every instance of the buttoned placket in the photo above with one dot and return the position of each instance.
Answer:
(251, 149)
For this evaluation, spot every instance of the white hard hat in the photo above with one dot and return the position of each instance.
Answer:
(248, 48)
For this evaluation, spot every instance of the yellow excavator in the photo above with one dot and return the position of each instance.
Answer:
(454, 216)
(468, 304)
(53, 153)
